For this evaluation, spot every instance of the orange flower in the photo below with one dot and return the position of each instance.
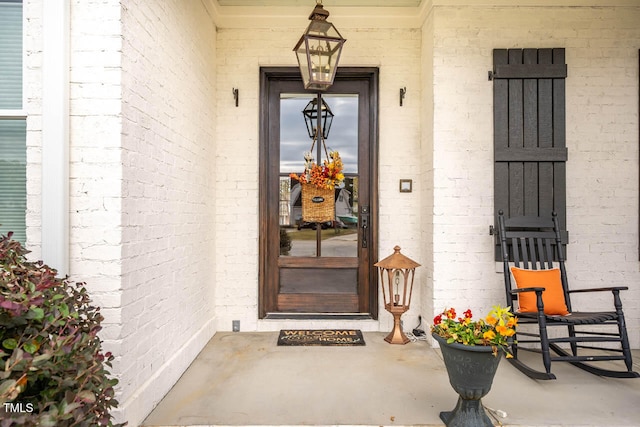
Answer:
(491, 320)
(489, 335)
(504, 331)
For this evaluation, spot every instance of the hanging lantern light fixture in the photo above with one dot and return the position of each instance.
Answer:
(310, 113)
(318, 50)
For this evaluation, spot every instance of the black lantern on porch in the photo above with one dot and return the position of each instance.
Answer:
(318, 50)
(310, 113)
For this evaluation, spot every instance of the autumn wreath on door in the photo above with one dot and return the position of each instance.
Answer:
(319, 182)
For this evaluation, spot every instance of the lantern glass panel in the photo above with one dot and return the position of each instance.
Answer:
(303, 62)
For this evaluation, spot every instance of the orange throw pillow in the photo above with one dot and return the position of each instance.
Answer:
(552, 297)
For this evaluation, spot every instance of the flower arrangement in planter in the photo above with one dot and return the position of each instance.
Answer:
(328, 175)
(470, 350)
(494, 330)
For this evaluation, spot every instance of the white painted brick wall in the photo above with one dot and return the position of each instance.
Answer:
(95, 170)
(426, 172)
(168, 122)
(602, 138)
(32, 63)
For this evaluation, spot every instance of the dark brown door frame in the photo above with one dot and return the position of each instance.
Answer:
(273, 75)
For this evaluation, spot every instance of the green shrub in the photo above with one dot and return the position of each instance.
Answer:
(52, 370)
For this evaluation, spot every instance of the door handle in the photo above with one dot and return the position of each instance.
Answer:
(364, 221)
(365, 225)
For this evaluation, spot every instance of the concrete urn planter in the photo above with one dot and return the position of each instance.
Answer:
(471, 370)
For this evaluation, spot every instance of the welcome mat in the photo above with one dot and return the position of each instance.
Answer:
(328, 337)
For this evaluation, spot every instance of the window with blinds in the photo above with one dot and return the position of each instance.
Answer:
(13, 129)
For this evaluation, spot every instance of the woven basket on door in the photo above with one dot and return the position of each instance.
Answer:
(318, 204)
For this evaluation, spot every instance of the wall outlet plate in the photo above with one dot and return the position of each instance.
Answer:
(235, 325)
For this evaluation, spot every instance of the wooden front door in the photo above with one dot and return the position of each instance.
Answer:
(311, 269)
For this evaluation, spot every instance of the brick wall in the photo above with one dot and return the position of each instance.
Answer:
(95, 170)
(426, 173)
(168, 118)
(602, 138)
(32, 64)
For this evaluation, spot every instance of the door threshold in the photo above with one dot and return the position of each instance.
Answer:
(318, 316)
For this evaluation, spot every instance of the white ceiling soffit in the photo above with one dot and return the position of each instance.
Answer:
(362, 13)
(291, 13)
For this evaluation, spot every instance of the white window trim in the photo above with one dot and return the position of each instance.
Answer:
(55, 134)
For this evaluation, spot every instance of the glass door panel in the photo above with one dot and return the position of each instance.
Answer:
(337, 238)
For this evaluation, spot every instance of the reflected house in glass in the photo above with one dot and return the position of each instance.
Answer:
(295, 137)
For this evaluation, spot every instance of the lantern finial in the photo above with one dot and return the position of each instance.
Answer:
(318, 12)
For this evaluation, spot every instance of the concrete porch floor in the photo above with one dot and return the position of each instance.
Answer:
(245, 379)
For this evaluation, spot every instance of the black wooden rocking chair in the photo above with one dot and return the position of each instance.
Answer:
(531, 243)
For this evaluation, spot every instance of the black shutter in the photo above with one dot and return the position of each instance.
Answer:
(529, 132)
